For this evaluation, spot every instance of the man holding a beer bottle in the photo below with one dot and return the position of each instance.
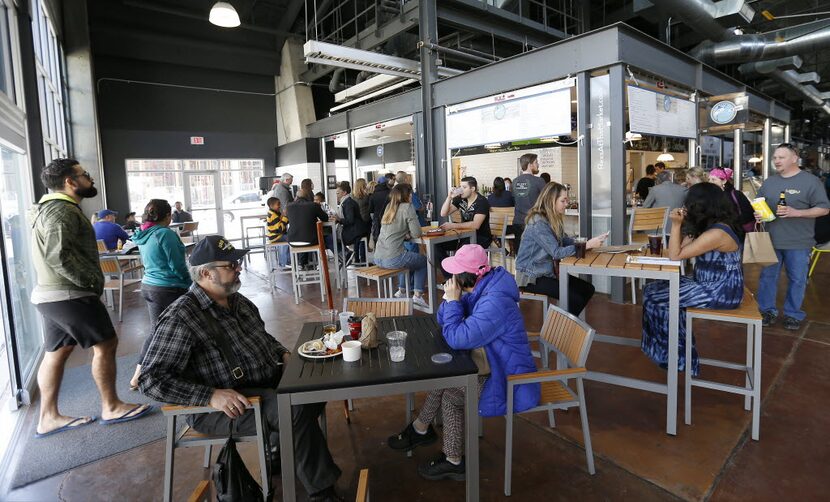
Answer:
(797, 198)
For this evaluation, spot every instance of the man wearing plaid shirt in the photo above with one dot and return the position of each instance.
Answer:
(185, 365)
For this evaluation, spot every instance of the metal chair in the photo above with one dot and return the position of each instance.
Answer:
(747, 314)
(201, 493)
(102, 248)
(383, 277)
(646, 219)
(189, 438)
(362, 494)
(189, 228)
(815, 254)
(272, 261)
(571, 338)
(300, 277)
(111, 266)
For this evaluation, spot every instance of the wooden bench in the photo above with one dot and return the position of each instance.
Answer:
(747, 314)
(383, 278)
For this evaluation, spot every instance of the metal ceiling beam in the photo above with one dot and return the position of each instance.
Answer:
(471, 14)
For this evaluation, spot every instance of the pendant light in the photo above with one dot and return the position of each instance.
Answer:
(223, 14)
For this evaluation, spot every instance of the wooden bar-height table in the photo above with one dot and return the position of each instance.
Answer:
(615, 265)
(430, 241)
(314, 381)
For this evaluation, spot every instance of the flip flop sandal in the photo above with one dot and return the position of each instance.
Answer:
(66, 427)
(126, 417)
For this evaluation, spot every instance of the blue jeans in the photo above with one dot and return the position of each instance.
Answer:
(417, 265)
(796, 263)
(283, 253)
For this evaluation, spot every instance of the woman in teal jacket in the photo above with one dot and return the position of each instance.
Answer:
(487, 317)
(165, 267)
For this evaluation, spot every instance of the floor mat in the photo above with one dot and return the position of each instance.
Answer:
(41, 458)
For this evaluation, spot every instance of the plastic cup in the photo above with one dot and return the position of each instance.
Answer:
(397, 345)
(344, 323)
(579, 244)
(655, 244)
(433, 224)
(329, 318)
(351, 351)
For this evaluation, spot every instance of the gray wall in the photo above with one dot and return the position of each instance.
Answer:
(150, 121)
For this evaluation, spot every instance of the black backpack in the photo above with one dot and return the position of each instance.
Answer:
(231, 477)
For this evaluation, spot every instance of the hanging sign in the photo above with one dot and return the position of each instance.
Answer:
(723, 113)
(661, 114)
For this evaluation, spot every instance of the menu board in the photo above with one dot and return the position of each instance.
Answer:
(510, 118)
(659, 114)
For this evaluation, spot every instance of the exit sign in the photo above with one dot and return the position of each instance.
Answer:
(197, 140)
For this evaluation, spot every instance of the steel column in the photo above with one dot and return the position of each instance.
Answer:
(583, 118)
(428, 33)
(766, 150)
(617, 167)
(737, 157)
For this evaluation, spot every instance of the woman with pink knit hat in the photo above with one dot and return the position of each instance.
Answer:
(722, 177)
(488, 317)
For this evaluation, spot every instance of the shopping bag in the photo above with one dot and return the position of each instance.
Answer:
(758, 248)
(369, 331)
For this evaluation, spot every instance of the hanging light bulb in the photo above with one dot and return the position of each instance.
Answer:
(665, 157)
(223, 14)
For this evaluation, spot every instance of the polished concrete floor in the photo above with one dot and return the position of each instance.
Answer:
(713, 459)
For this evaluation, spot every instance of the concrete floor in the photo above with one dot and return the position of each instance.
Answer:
(713, 459)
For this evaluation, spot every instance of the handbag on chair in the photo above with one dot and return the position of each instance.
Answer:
(758, 247)
(231, 477)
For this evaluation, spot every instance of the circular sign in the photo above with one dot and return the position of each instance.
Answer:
(499, 112)
(723, 112)
(667, 103)
(380, 150)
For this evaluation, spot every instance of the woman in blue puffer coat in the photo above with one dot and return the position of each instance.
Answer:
(489, 317)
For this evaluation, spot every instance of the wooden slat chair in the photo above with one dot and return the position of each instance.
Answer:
(509, 238)
(498, 229)
(571, 338)
(111, 267)
(747, 314)
(533, 336)
(362, 494)
(383, 277)
(381, 307)
(189, 438)
(201, 493)
(102, 248)
(188, 229)
(645, 220)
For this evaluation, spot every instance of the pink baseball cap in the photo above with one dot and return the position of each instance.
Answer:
(470, 258)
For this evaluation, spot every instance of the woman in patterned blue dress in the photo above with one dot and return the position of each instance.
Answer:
(704, 229)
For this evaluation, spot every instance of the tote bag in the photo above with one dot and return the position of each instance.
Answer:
(758, 247)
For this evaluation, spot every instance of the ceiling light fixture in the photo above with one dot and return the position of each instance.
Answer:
(665, 157)
(223, 14)
(755, 159)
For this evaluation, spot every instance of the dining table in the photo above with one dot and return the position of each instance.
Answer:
(313, 380)
(624, 264)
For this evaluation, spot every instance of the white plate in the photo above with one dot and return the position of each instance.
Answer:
(317, 355)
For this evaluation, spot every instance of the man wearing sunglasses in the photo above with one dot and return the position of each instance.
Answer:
(210, 348)
(792, 234)
(69, 286)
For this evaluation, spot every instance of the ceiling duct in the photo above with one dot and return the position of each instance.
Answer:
(799, 39)
(709, 18)
(789, 77)
(357, 59)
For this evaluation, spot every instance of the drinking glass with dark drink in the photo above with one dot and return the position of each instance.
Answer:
(579, 245)
(655, 244)
(329, 318)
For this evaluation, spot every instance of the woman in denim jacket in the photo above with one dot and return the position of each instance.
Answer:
(544, 243)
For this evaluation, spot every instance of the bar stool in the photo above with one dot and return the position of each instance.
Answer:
(383, 278)
(272, 261)
(300, 277)
(747, 314)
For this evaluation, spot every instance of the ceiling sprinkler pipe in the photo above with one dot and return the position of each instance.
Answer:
(759, 47)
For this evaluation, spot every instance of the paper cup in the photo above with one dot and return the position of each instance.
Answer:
(351, 351)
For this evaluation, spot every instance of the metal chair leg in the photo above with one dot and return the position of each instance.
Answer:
(586, 433)
(749, 353)
(687, 382)
(208, 451)
(169, 458)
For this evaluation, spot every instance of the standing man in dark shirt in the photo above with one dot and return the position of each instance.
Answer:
(475, 215)
(180, 215)
(184, 364)
(646, 182)
(526, 189)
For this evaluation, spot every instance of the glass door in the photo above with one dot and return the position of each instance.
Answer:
(202, 198)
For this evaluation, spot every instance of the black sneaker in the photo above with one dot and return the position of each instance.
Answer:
(791, 323)
(768, 318)
(409, 438)
(441, 468)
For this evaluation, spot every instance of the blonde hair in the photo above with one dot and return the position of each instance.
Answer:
(398, 195)
(698, 173)
(360, 189)
(545, 207)
(370, 188)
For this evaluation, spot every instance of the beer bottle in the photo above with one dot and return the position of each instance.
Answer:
(782, 199)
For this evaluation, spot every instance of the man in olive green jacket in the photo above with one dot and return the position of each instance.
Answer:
(70, 283)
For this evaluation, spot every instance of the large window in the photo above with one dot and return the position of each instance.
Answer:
(194, 182)
(50, 82)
